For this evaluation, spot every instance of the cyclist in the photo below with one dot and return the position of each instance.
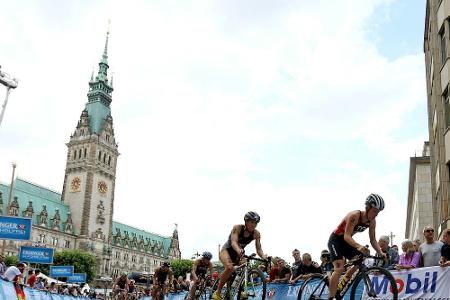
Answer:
(160, 277)
(342, 245)
(200, 267)
(233, 250)
(132, 291)
(121, 284)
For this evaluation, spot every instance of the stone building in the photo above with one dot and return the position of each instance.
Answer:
(437, 63)
(81, 217)
(419, 212)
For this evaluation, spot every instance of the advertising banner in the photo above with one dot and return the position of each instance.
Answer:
(77, 278)
(15, 228)
(36, 255)
(422, 283)
(61, 271)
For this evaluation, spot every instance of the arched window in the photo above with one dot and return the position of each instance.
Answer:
(79, 154)
(104, 158)
(85, 152)
(75, 154)
(99, 155)
(109, 160)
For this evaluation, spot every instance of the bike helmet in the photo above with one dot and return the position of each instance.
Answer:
(166, 264)
(251, 215)
(207, 255)
(376, 201)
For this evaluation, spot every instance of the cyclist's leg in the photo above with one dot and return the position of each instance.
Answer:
(337, 247)
(334, 279)
(227, 262)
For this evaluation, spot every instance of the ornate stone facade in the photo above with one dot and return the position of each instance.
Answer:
(81, 217)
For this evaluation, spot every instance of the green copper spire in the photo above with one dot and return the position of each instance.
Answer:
(99, 95)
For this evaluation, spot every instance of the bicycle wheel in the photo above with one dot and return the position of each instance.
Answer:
(256, 285)
(314, 288)
(376, 282)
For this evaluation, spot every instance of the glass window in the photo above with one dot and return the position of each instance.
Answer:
(442, 37)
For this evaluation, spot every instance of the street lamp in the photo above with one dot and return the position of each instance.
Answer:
(10, 83)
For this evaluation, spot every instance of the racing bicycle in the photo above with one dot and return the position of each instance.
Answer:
(366, 278)
(246, 281)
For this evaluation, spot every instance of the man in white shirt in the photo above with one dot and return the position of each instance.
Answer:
(430, 250)
(13, 273)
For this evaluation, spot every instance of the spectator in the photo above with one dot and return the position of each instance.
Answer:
(391, 254)
(309, 267)
(410, 258)
(283, 274)
(215, 275)
(445, 250)
(296, 266)
(31, 279)
(39, 285)
(416, 244)
(180, 285)
(430, 250)
(2, 266)
(14, 273)
(262, 268)
(325, 262)
(395, 247)
(53, 289)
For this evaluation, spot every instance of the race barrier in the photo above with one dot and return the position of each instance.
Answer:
(416, 284)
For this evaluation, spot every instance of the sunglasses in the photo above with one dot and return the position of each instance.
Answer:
(429, 230)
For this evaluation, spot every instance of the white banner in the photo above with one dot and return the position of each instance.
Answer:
(430, 283)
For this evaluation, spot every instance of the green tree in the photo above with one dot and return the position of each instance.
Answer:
(180, 267)
(83, 262)
(11, 261)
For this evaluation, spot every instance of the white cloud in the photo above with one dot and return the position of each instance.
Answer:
(198, 88)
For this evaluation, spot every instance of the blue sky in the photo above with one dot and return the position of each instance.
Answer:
(297, 110)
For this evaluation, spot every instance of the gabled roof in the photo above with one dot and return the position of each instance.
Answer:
(26, 191)
(153, 238)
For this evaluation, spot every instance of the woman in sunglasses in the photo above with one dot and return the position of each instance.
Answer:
(430, 250)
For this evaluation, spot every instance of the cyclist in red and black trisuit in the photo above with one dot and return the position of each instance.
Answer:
(233, 250)
(342, 245)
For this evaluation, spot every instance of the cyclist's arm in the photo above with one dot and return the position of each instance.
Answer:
(373, 239)
(170, 278)
(234, 238)
(194, 269)
(211, 268)
(351, 220)
(155, 276)
(258, 244)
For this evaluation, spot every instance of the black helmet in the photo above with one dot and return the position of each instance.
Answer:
(166, 264)
(376, 201)
(251, 215)
(207, 255)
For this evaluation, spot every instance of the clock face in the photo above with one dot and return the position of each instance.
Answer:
(75, 184)
(102, 187)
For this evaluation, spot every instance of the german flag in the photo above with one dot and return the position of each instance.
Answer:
(19, 292)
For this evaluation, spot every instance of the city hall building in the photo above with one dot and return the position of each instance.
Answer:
(81, 216)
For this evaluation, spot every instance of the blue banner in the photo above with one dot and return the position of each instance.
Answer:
(36, 255)
(77, 278)
(15, 228)
(61, 271)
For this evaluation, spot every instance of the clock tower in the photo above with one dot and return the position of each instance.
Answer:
(92, 160)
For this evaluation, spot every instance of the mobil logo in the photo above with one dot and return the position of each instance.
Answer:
(411, 285)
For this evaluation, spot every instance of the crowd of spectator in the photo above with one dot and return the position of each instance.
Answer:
(415, 254)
